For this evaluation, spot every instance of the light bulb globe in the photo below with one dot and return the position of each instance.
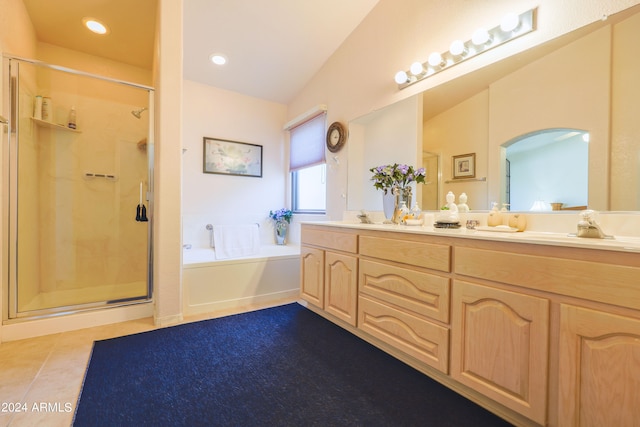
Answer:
(480, 37)
(457, 48)
(401, 77)
(416, 68)
(510, 22)
(435, 59)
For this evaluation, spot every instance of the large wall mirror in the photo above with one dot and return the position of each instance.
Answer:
(582, 87)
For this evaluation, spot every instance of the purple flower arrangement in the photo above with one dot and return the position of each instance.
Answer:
(389, 176)
(281, 215)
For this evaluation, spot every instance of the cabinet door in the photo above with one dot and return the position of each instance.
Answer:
(599, 380)
(341, 286)
(312, 275)
(500, 342)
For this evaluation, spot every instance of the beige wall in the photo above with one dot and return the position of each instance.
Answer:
(16, 32)
(93, 64)
(225, 199)
(167, 231)
(358, 78)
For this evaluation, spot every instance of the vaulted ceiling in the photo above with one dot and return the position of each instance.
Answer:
(273, 48)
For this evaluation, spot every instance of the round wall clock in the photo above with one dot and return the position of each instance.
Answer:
(336, 137)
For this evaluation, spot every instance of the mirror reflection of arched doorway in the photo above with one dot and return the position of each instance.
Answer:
(548, 169)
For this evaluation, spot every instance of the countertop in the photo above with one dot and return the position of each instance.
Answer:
(618, 243)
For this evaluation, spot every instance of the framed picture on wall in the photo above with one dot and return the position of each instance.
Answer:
(231, 157)
(464, 166)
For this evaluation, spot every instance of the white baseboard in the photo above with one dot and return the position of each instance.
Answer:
(210, 307)
(163, 321)
(88, 319)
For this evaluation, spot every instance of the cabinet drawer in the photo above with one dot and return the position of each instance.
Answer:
(425, 341)
(422, 293)
(428, 255)
(609, 283)
(330, 239)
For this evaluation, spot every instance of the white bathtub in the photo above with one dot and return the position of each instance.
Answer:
(210, 284)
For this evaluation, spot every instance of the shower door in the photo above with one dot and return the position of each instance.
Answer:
(78, 238)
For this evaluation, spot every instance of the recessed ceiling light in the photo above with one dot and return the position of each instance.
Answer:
(95, 26)
(218, 59)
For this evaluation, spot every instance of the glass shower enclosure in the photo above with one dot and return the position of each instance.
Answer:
(78, 215)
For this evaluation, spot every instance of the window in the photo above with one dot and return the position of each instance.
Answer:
(309, 189)
(307, 166)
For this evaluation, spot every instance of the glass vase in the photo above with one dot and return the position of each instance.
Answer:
(388, 204)
(280, 231)
(401, 194)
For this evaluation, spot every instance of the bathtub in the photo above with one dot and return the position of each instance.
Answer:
(210, 284)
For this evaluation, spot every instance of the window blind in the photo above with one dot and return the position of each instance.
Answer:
(307, 143)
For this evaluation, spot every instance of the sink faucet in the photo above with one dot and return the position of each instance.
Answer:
(588, 227)
(364, 217)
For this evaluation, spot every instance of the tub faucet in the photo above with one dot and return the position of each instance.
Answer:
(209, 228)
(588, 227)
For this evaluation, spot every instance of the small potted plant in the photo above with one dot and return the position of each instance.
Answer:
(281, 220)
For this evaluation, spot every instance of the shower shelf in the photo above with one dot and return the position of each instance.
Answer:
(45, 124)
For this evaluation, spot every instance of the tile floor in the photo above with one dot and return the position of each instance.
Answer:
(40, 378)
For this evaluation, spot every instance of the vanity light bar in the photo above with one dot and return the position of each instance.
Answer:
(512, 27)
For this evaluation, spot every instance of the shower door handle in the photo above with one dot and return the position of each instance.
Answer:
(3, 121)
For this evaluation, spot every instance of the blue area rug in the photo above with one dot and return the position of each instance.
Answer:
(282, 366)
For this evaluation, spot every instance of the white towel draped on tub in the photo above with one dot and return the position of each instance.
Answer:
(232, 241)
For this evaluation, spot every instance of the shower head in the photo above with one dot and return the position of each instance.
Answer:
(138, 113)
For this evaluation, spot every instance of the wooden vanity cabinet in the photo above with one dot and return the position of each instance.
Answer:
(538, 334)
(592, 347)
(329, 272)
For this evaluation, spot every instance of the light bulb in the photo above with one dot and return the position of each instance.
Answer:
(435, 59)
(457, 48)
(401, 77)
(480, 37)
(509, 22)
(95, 26)
(218, 59)
(416, 68)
